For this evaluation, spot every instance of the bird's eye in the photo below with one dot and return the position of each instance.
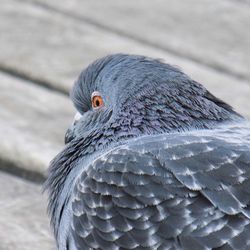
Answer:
(97, 100)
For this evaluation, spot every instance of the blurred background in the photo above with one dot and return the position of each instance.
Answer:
(44, 44)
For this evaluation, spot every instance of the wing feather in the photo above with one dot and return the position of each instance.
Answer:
(175, 191)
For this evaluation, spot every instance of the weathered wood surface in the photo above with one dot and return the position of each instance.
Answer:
(55, 47)
(210, 32)
(33, 121)
(23, 221)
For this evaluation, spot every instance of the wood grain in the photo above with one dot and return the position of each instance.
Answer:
(210, 32)
(33, 121)
(24, 224)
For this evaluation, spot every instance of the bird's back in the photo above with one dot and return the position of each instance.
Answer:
(187, 190)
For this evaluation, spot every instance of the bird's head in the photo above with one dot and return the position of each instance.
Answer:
(127, 95)
(123, 96)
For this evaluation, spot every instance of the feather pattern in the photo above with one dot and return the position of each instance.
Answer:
(171, 191)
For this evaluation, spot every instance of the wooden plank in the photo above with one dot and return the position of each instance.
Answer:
(54, 47)
(24, 224)
(210, 32)
(33, 121)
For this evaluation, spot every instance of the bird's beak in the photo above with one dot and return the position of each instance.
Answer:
(70, 135)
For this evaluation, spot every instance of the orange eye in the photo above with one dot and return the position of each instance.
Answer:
(97, 101)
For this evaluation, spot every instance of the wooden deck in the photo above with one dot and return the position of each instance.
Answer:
(44, 44)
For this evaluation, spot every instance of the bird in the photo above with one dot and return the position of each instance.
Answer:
(152, 160)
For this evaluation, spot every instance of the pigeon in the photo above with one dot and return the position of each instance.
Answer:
(152, 160)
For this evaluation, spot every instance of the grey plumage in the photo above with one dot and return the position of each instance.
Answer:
(163, 165)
